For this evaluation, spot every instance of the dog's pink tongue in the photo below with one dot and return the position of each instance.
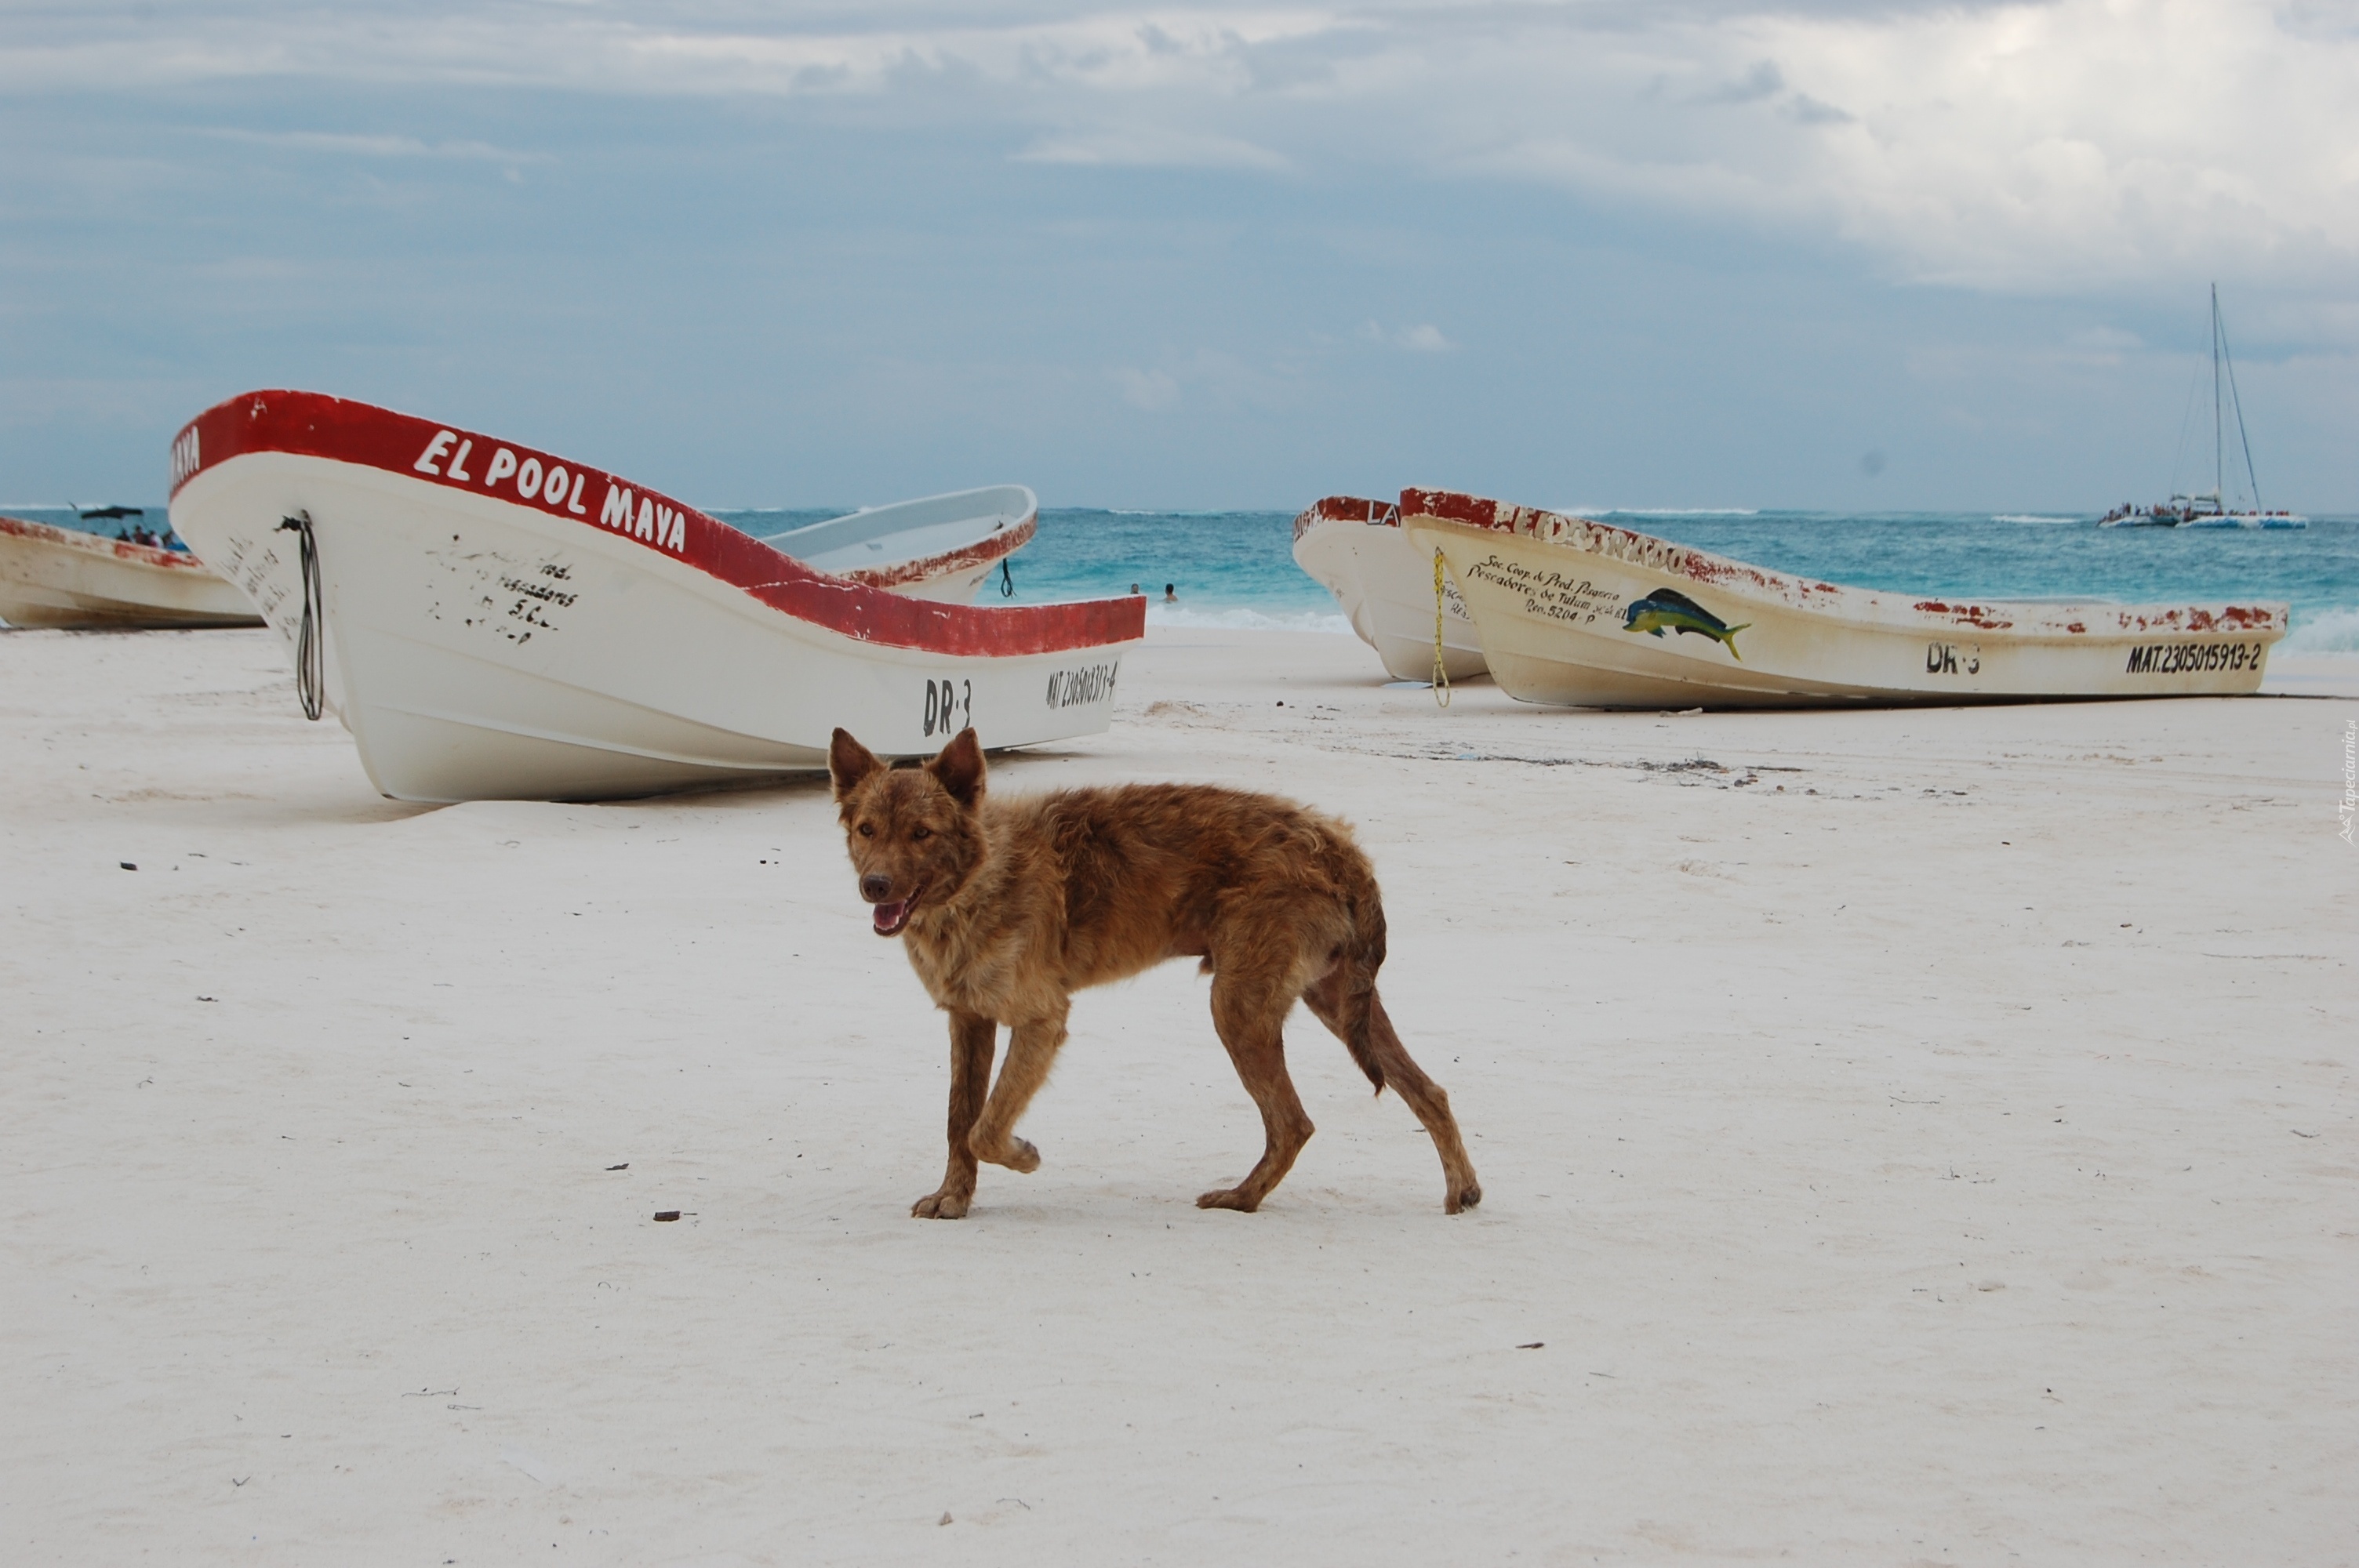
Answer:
(889, 916)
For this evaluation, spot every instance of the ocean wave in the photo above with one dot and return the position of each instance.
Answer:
(2334, 631)
(1672, 511)
(2030, 517)
(1239, 619)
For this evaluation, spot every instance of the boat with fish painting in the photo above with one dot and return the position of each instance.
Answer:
(1579, 613)
(1355, 550)
(495, 622)
(69, 578)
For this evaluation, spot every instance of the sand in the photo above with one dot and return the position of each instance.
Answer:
(1909, 1137)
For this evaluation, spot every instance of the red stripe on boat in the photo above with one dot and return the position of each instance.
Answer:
(313, 424)
(1456, 506)
(1347, 509)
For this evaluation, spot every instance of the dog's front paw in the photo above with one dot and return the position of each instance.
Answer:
(1463, 1197)
(1229, 1197)
(943, 1205)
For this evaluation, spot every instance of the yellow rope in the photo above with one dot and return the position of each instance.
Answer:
(1441, 675)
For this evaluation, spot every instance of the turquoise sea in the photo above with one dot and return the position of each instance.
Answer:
(1236, 569)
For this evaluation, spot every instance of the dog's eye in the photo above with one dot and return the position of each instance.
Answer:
(921, 832)
(867, 830)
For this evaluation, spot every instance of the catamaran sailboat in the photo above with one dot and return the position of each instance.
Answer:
(2211, 510)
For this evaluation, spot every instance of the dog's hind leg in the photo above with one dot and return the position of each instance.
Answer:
(972, 1041)
(1383, 1046)
(1249, 1010)
(1032, 1047)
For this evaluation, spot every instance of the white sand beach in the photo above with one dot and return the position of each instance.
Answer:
(1907, 1138)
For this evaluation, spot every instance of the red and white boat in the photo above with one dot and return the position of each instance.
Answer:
(1384, 586)
(494, 622)
(65, 577)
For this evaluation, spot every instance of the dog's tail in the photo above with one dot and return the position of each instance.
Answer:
(1361, 953)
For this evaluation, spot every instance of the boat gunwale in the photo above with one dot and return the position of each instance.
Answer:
(985, 552)
(127, 550)
(2050, 621)
(1356, 510)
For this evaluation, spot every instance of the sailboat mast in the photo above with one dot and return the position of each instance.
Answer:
(2219, 490)
(2235, 399)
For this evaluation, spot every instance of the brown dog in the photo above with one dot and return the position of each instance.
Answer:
(1010, 907)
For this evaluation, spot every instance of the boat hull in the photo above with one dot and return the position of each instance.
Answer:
(479, 646)
(60, 578)
(1384, 584)
(1576, 614)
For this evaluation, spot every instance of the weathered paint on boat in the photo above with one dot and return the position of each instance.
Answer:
(1580, 613)
(499, 622)
(64, 578)
(1383, 583)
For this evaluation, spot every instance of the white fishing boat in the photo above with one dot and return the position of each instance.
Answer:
(1580, 613)
(494, 622)
(941, 547)
(1355, 550)
(66, 578)
(2211, 510)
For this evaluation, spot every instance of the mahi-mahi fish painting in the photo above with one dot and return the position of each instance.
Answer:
(1668, 609)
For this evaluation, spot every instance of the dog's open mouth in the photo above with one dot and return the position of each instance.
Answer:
(891, 918)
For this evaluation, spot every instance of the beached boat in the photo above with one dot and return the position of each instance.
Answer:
(495, 622)
(1583, 615)
(941, 547)
(1355, 550)
(65, 577)
(2211, 510)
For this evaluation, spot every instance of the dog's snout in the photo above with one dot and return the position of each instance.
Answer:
(874, 886)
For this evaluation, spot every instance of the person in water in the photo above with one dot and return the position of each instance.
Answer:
(1170, 593)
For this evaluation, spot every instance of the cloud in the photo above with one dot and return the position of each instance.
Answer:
(1423, 339)
(1805, 110)
(383, 147)
(2071, 146)
(1764, 80)
(1148, 147)
(1151, 390)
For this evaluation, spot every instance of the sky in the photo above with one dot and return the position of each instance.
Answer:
(1587, 253)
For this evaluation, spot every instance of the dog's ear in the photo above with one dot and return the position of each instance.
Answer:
(848, 762)
(958, 769)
